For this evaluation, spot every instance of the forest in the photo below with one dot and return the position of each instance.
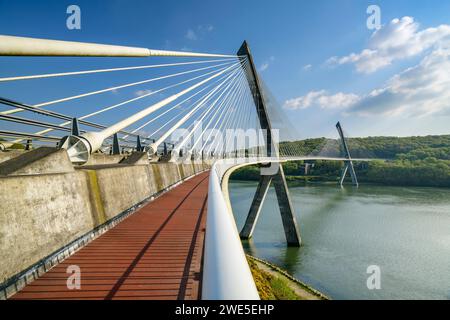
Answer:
(401, 161)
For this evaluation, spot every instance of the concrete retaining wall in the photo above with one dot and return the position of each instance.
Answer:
(41, 213)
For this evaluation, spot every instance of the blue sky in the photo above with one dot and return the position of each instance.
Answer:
(293, 43)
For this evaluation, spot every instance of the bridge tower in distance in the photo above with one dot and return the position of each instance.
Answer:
(278, 179)
(348, 164)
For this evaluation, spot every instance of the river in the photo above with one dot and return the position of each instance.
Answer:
(405, 231)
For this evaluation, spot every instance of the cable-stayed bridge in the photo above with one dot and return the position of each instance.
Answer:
(124, 177)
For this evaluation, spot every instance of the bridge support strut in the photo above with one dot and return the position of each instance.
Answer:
(278, 179)
(348, 164)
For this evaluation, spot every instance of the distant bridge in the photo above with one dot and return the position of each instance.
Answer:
(133, 215)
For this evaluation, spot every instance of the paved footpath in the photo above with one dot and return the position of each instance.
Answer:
(156, 253)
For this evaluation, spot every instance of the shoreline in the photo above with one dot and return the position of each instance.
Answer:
(301, 289)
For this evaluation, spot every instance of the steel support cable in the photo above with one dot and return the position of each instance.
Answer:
(79, 148)
(123, 103)
(227, 115)
(177, 116)
(27, 135)
(168, 110)
(210, 117)
(52, 114)
(221, 108)
(246, 126)
(176, 106)
(155, 145)
(233, 125)
(187, 110)
(207, 111)
(64, 74)
(43, 104)
(240, 125)
(233, 115)
(225, 122)
(191, 125)
(141, 114)
(32, 122)
(226, 108)
(209, 96)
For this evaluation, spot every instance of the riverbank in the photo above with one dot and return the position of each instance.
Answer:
(273, 283)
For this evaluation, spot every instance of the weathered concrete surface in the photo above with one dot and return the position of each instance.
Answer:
(38, 161)
(103, 158)
(38, 215)
(122, 187)
(42, 213)
(136, 158)
(9, 154)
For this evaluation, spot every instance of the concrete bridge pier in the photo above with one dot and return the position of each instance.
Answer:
(291, 230)
(255, 208)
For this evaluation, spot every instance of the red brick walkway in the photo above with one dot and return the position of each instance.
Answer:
(153, 254)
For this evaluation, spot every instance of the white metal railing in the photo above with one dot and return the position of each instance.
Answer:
(226, 273)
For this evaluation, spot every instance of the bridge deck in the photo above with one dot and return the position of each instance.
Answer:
(153, 254)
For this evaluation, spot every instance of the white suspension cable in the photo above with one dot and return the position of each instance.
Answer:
(40, 105)
(221, 108)
(124, 103)
(227, 107)
(178, 147)
(73, 73)
(79, 148)
(154, 146)
(187, 110)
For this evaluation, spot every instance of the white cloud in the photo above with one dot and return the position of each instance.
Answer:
(141, 93)
(266, 64)
(398, 40)
(421, 90)
(200, 31)
(205, 28)
(191, 35)
(307, 67)
(417, 91)
(322, 100)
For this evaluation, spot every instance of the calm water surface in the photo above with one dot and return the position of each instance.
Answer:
(405, 231)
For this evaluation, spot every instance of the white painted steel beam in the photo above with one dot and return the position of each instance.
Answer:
(23, 46)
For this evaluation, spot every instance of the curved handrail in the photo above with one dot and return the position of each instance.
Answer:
(226, 273)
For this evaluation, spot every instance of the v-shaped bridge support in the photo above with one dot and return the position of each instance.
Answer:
(278, 179)
(348, 164)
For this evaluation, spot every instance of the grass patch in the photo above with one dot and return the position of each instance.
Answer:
(281, 290)
(270, 287)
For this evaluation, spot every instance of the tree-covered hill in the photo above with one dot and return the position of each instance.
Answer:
(414, 161)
